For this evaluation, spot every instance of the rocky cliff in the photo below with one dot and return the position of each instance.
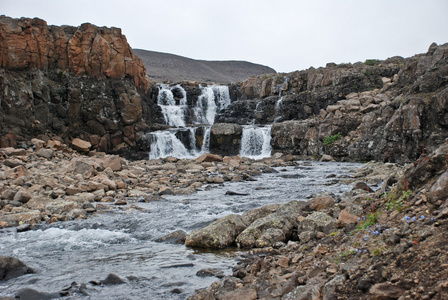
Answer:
(71, 82)
(392, 110)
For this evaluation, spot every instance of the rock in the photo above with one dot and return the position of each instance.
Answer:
(321, 203)
(12, 163)
(176, 237)
(345, 218)
(16, 219)
(213, 272)
(225, 138)
(439, 190)
(385, 291)
(71, 190)
(45, 153)
(22, 196)
(363, 186)
(112, 279)
(219, 234)
(317, 221)
(165, 190)
(208, 157)
(275, 227)
(257, 213)
(81, 145)
(11, 267)
(9, 194)
(235, 193)
(326, 158)
(114, 162)
(31, 294)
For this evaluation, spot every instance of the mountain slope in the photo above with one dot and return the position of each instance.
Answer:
(169, 67)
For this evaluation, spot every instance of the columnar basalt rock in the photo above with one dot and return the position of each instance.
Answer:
(73, 82)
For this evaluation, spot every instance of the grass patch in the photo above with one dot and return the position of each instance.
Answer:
(331, 139)
(372, 62)
(396, 200)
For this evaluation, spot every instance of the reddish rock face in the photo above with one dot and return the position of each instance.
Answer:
(85, 50)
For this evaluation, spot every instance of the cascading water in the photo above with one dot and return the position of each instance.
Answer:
(212, 100)
(256, 142)
(173, 113)
(278, 109)
(169, 143)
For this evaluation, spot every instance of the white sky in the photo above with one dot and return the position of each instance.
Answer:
(286, 35)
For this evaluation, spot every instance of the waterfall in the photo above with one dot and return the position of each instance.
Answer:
(256, 142)
(278, 109)
(181, 142)
(212, 100)
(173, 113)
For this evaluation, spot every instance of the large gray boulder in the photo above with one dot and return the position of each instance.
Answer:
(11, 267)
(225, 138)
(219, 234)
(275, 227)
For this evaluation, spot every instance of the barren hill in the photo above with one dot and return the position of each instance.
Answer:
(169, 67)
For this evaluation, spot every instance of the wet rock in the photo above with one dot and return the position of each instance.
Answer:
(212, 272)
(235, 193)
(31, 294)
(225, 138)
(176, 237)
(11, 267)
(363, 186)
(385, 291)
(326, 158)
(219, 234)
(112, 279)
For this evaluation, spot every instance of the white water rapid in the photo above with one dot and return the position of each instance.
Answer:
(173, 111)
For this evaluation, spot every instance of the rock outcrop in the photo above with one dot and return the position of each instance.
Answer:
(85, 50)
(72, 82)
(397, 123)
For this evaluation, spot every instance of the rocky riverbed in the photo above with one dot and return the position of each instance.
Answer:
(50, 182)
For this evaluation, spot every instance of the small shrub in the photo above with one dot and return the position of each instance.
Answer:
(331, 139)
(372, 62)
(394, 200)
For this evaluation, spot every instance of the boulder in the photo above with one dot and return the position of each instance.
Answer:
(81, 145)
(22, 196)
(274, 227)
(176, 237)
(321, 203)
(219, 234)
(31, 294)
(225, 138)
(208, 157)
(345, 218)
(317, 221)
(11, 267)
(16, 219)
(114, 162)
(439, 190)
(45, 153)
(385, 291)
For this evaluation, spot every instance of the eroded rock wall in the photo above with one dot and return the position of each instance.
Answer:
(72, 82)
(404, 119)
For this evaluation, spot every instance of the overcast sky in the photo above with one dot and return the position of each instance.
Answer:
(286, 35)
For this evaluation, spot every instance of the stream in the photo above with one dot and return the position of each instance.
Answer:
(123, 241)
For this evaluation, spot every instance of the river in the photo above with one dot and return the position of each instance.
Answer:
(123, 241)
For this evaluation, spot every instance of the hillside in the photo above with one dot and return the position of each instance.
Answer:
(169, 67)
